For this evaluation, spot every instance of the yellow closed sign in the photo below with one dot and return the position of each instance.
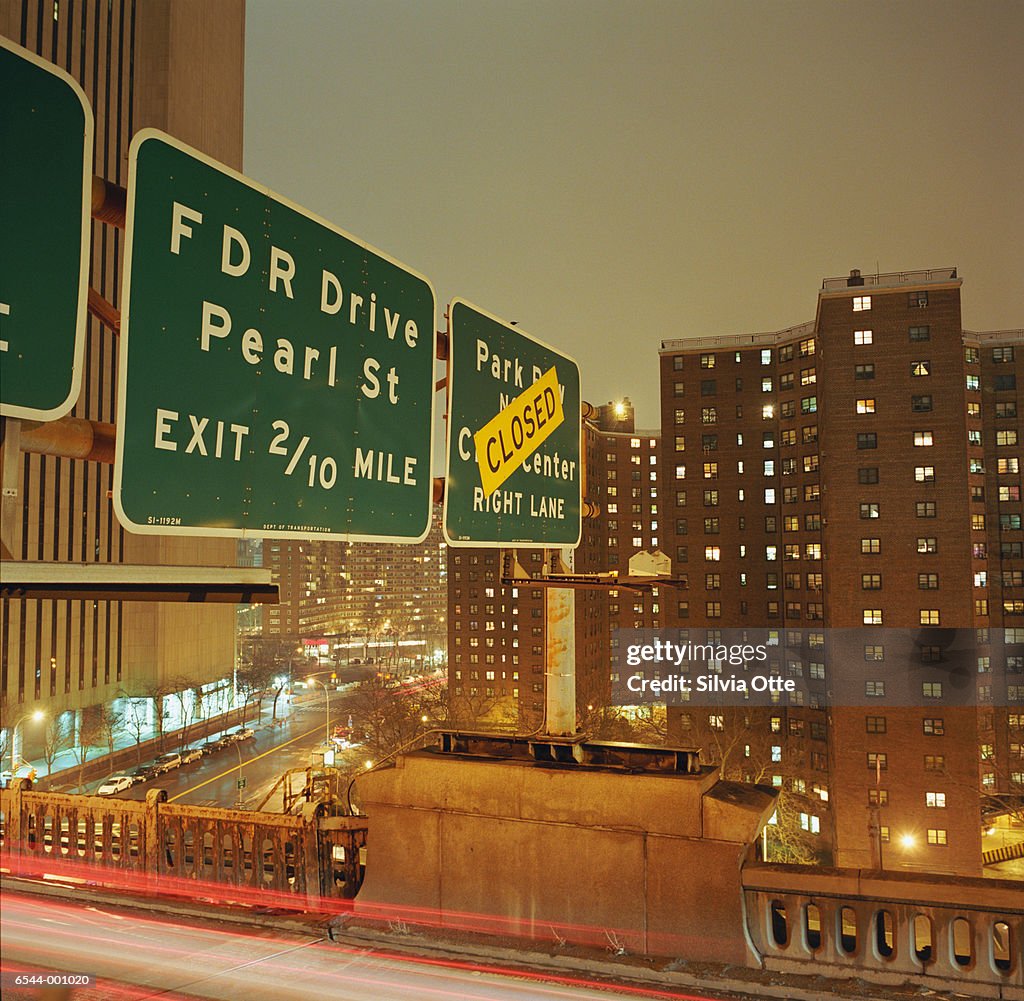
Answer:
(505, 442)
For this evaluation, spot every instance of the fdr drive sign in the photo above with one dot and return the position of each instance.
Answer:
(46, 133)
(514, 471)
(276, 374)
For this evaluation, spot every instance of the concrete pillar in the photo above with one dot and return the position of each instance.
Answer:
(560, 658)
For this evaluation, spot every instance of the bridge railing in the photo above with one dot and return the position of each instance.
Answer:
(308, 856)
(952, 933)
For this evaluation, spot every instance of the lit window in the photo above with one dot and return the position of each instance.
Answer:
(923, 439)
(865, 406)
(937, 836)
(861, 303)
(863, 337)
(713, 553)
(872, 617)
(920, 368)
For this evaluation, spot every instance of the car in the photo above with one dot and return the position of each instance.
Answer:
(191, 754)
(244, 734)
(115, 784)
(143, 773)
(167, 762)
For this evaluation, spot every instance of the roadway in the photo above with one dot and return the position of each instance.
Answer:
(212, 780)
(148, 956)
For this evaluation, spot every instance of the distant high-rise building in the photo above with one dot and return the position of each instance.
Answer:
(854, 482)
(360, 597)
(176, 65)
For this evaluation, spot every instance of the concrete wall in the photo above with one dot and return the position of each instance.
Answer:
(587, 854)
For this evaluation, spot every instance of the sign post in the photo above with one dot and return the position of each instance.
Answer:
(514, 468)
(46, 133)
(276, 374)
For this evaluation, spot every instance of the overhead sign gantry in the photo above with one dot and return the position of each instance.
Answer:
(514, 466)
(46, 137)
(276, 374)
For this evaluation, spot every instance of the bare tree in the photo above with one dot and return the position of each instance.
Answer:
(252, 681)
(109, 723)
(90, 734)
(187, 695)
(56, 738)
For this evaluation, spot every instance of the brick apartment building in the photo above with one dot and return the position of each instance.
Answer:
(845, 480)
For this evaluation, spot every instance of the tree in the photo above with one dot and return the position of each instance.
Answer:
(56, 738)
(109, 724)
(251, 682)
(187, 695)
(90, 733)
(747, 745)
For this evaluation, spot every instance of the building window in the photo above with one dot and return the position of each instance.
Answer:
(867, 439)
(920, 368)
(917, 300)
(863, 337)
(1004, 438)
(1002, 356)
(923, 439)
(712, 553)
(972, 356)
(928, 581)
(871, 581)
(677, 363)
(809, 405)
(924, 474)
(870, 509)
(935, 800)
(933, 727)
(867, 474)
(707, 361)
(920, 404)
(931, 689)
(864, 372)
(877, 761)
(925, 509)
(878, 797)
(808, 377)
(870, 547)
(918, 334)
(708, 387)
(874, 652)
(937, 836)
(874, 724)
(872, 617)
(861, 303)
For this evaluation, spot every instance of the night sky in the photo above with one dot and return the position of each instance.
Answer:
(609, 174)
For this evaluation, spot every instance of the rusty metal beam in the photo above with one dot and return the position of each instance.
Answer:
(109, 202)
(70, 438)
(108, 314)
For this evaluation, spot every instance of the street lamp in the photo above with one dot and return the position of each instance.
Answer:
(36, 715)
(327, 695)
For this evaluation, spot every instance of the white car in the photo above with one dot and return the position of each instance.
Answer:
(115, 784)
(190, 755)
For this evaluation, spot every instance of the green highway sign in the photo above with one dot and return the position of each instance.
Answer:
(513, 472)
(276, 375)
(46, 130)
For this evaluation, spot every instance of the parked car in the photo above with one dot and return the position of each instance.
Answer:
(144, 773)
(212, 745)
(115, 784)
(244, 734)
(167, 762)
(191, 754)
